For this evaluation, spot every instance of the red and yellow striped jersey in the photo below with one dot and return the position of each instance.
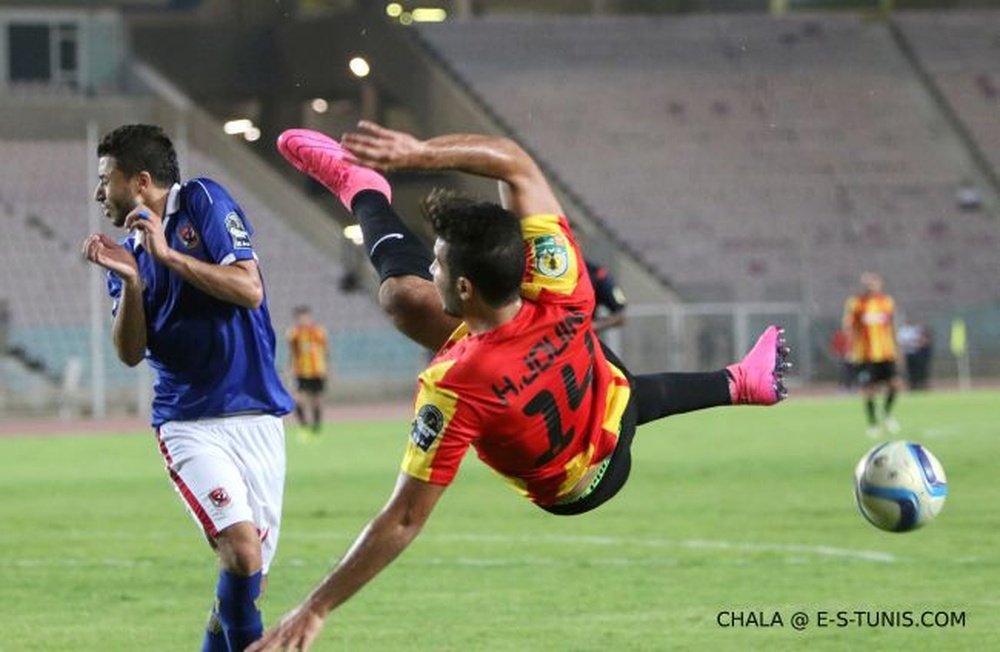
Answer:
(308, 347)
(869, 318)
(535, 397)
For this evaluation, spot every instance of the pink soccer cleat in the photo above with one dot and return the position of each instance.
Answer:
(758, 379)
(323, 159)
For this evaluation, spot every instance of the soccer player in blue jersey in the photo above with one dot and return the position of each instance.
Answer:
(188, 297)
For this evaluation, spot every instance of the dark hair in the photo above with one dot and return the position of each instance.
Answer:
(142, 147)
(301, 310)
(484, 243)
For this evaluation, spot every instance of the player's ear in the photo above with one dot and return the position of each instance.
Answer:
(466, 290)
(144, 180)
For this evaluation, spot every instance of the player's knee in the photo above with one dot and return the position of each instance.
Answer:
(243, 560)
(238, 547)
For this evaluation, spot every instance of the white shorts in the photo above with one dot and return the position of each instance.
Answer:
(229, 470)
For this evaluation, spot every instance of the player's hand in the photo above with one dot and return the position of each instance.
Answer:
(104, 251)
(148, 227)
(374, 146)
(295, 631)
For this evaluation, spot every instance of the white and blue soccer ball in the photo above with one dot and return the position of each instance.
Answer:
(899, 486)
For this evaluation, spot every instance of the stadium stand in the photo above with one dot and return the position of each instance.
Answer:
(961, 52)
(772, 159)
(738, 157)
(47, 303)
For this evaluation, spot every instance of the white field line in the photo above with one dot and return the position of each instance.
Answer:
(940, 431)
(57, 562)
(692, 544)
(621, 543)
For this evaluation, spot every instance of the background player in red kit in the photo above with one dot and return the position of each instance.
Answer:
(519, 374)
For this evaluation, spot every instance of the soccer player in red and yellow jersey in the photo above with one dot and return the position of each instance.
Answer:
(307, 343)
(519, 374)
(869, 317)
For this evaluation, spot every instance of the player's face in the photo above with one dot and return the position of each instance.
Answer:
(446, 287)
(871, 282)
(115, 192)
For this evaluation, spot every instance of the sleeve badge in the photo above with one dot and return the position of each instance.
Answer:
(427, 426)
(237, 231)
(551, 255)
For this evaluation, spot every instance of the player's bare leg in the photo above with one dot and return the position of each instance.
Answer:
(869, 392)
(315, 402)
(414, 306)
(238, 548)
(406, 294)
(889, 422)
(300, 412)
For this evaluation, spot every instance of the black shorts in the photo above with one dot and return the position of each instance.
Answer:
(876, 372)
(311, 385)
(616, 474)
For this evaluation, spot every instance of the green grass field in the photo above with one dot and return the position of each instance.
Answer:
(732, 510)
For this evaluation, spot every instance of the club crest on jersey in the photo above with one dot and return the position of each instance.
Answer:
(551, 255)
(237, 231)
(427, 426)
(188, 235)
(219, 497)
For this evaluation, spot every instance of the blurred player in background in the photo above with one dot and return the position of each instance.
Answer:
(869, 317)
(608, 296)
(519, 374)
(309, 349)
(188, 297)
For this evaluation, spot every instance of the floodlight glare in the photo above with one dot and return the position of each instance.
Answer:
(359, 67)
(429, 15)
(240, 126)
(353, 233)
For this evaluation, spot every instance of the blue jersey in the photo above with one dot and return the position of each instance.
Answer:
(212, 358)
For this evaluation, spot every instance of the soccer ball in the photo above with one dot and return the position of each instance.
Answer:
(899, 486)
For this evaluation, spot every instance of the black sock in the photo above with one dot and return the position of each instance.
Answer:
(870, 409)
(660, 395)
(890, 398)
(317, 417)
(393, 249)
(300, 414)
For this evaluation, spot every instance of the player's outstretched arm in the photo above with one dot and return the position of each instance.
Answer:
(526, 189)
(382, 540)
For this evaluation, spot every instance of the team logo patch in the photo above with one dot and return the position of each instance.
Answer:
(219, 497)
(237, 231)
(188, 235)
(551, 255)
(427, 426)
